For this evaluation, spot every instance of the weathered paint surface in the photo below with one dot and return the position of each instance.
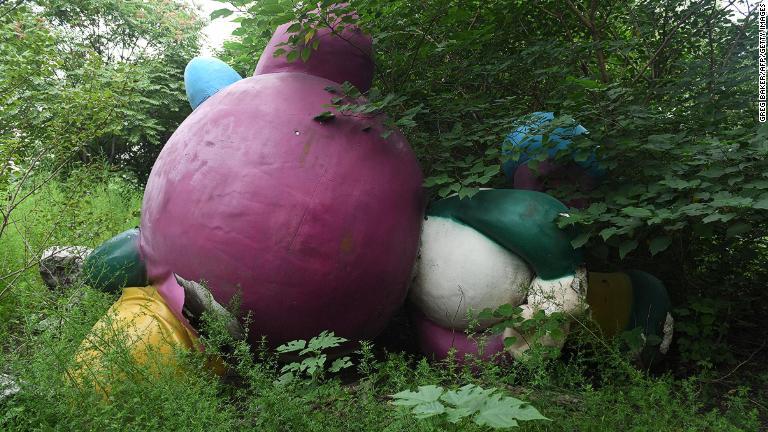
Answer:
(559, 169)
(499, 247)
(565, 294)
(650, 308)
(461, 270)
(339, 59)
(529, 141)
(206, 76)
(116, 263)
(625, 301)
(315, 224)
(523, 222)
(610, 301)
(141, 322)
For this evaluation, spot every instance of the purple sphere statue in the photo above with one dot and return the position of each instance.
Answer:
(314, 224)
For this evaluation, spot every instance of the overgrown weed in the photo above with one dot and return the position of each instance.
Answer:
(592, 386)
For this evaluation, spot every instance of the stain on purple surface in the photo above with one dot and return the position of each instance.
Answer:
(315, 224)
(339, 59)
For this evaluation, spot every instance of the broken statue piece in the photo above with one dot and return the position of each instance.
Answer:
(61, 266)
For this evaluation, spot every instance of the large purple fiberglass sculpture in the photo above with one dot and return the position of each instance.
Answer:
(315, 224)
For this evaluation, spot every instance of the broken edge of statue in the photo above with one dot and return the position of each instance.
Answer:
(61, 266)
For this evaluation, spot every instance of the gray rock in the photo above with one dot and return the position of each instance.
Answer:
(8, 387)
(62, 265)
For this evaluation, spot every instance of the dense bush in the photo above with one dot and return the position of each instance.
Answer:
(85, 80)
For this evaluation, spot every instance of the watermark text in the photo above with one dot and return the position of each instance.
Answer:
(761, 67)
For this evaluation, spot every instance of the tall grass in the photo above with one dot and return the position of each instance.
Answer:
(90, 207)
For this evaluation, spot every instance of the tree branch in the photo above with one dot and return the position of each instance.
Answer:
(589, 23)
(667, 40)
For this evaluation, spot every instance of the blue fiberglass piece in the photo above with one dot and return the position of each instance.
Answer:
(205, 76)
(560, 139)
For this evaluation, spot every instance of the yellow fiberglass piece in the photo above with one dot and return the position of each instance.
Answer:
(135, 338)
(610, 298)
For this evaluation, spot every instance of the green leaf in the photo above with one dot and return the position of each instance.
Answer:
(221, 13)
(305, 53)
(424, 394)
(467, 192)
(314, 365)
(491, 409)
(761, 203)
(637, 212)
(500, 327)
(454, 415)
(469, 397)
(714, 217)
(485, 314)
(322, 342)
(527, 412)
(585, 83)
(429, 409)
(659, 244)
(506, 310)
(653, 340)
(436, 180)
(597, 209)
(634, 338)
(324, 117)
(581, 240)
(296, 345)
(308, 36)
(285, 379)
(756, 184)
(497, 418)
(282, 19)
(712, 172)
(509, 341)
(627, 247)
(291, 367)
(292, 56)
(339, 364)
(676, 183)
(608, 232)
(498, 413)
